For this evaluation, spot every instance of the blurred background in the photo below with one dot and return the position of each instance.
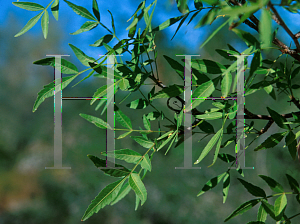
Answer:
(32, 195)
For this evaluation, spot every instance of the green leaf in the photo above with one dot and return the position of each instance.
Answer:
(55, 9)
(265, 28)
(102, 71)
(137, 185)
(252, 189)
(176, 66)
(269, 209)
(138, 104)
(30, 24)
(226, 185)
(124, 135)
(171, 91)
(146, 163)
(137, 202)
(274, 185)
(262, 214)
(248, 38)
(293, 183)
(142, 141)
(280, 204)
(198, 4)
(30, 6)
(278, 119)
(271, 141)
(202, 91)
(82, 57)
(180, 24)
(243, 208)
(87, 26)
(217, 149)
(146, 122)
(105, 39)
(106, 196)
(48, 90)
(96, 10)
(168, 23)
(208, 66)
(226, 84)
(96, 121)
(166, 141)
(206, 127)
(214, 33)
(122, 193)
(128, 155)
(153, 115)
(210, 116)
(291, 142)
(45, 23)
(99, 163)
(122, 118)
(66, 66)
(182, 6)
(227, 158)
(209, 146)
(211, 183)
(80, 10)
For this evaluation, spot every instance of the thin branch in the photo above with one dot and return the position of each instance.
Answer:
(285, 27)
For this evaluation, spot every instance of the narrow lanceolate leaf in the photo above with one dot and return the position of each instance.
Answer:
(262, 214)
(265, 28)
(268, 208)
(96, 121)
(80, 10)
(96, 10)
(30, 24)
(122, 193)
(171, 91)
(274, 185)
(30, 6)
(105, 39)
(82, 57)
(87, 26)
(217, 149)
(291, 142)
(280, 204)
(271, 141)
(168, 23)
(48, 90)
(137, 202)
(146, 163)
(243, 208)
(106, 196)
(128, 155)
(138, 104)
(209, 146)
(66, 66)
(100, 163)
(202, 91)
(166, 141)
(176, 66)
(45, 23)
(124, 135)
(137, 185)
(112, 22)
(55, 9)
(226, 84)
(122, 118)
(293, 183)
(180, 24)
(279, 120)
(146, 122)
(211, 183)
(226, 185)
(252, 189)
(208, 66)
(142, 141)
(210, 116)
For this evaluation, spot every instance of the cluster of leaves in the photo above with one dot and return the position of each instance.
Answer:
(209, 79)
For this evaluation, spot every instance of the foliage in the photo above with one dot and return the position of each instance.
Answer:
(131, 75)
